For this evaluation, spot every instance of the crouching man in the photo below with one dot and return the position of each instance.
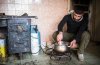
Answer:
(76, 32)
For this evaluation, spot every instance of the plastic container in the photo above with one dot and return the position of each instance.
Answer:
(2, 48)
(35, 40)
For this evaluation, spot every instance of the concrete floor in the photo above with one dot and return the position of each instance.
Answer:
(92, 57)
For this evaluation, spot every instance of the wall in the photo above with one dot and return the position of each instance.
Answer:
(95, 20)
(49, 12)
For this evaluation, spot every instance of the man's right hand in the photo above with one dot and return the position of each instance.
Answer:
(59, 36)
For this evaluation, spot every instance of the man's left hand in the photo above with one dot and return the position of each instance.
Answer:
(73, 44)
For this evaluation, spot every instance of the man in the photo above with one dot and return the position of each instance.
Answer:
(76, 33)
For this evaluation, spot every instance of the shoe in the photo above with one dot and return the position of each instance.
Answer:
(81, 57)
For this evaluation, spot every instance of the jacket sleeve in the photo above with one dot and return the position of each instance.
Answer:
(61, 24)
(82, 28)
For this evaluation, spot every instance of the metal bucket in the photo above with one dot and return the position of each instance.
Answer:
(62, 48)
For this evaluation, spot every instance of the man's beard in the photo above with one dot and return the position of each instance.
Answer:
(76, 19)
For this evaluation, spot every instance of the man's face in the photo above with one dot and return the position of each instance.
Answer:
(77, 17)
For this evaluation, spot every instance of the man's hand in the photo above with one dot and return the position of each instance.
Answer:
(73, 44)
(59, 36)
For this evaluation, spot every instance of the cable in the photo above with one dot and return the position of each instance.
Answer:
(47, 49)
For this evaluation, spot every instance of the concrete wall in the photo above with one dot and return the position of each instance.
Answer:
(49, 12)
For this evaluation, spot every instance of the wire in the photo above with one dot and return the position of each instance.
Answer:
(47, 49)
